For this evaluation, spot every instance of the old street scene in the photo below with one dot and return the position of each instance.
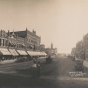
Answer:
(43, 44)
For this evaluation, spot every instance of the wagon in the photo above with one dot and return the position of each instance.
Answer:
(79, 65)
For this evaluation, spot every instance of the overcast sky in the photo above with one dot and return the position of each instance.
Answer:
(62, 22)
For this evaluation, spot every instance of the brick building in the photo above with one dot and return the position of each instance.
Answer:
(31, 40)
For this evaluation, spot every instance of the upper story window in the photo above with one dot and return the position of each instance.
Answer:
(0, 42)
(33, 41)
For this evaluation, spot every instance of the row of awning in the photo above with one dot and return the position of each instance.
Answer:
(14, 52)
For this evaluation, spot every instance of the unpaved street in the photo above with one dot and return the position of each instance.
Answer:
(55, 74)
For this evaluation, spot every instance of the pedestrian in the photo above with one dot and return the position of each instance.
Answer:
(48, 59)
(38, 69)
(34, 69)
(35, 59)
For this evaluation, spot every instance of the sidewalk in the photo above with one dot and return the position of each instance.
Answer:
(8, 61)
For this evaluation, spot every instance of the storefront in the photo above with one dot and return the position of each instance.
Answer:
(22, 55)
(14, 53)
(5, 54)
(36, 54)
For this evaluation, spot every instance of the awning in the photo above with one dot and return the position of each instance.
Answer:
(43, 53)
(21, 52)
(13, 52)
(32, 53)
(4, 51)
(39, 53)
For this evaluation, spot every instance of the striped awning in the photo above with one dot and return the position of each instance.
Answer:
(13, 52)
(33, 53)
(4, 51)
(43, 53)
(21, 52)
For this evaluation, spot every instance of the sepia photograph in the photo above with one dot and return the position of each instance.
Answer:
(43, 43)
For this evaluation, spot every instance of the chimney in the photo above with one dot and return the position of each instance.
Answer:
(35, 32)
(26, 29)
(8, 33)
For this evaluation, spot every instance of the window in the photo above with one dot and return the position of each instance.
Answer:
(3, 42)
(6, 43)
(0, 42)
(3, 35)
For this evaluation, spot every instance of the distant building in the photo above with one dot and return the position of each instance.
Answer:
(51, 51)
(42, 47)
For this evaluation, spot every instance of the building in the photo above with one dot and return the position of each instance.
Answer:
(31, 40)
(21, 45)
(51, 51)
(3, 39)
(42, 47)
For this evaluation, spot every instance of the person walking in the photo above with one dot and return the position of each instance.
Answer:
(38, 69)
(34, 69)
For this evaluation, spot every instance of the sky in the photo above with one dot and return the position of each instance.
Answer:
(61, 22)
